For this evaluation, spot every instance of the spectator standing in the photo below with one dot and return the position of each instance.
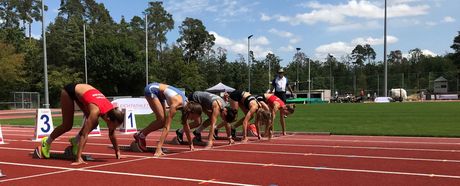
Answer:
(280, 84)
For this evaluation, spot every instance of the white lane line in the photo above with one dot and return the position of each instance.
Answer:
(294, 166)
(278, 153)
(373, 141)
(300, 136)
(58, 172)
(320, 168)
(359, 147)
(86, 169)
(343, 156)
(293, 145)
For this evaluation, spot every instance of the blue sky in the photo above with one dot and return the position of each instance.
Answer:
(317, 27)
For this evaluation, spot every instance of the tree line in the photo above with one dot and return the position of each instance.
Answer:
(116, 55)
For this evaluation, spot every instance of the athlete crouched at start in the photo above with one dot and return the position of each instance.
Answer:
(94, 105)
(213, 106)
(157, 94)
(276, 104)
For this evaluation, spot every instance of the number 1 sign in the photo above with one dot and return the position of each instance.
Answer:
(129, 124)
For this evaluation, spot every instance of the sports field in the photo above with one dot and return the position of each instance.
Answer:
(399, 119)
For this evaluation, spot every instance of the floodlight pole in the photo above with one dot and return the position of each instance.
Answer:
(84, 49)
(385, 50)
(45, 62)
(146, 51)
(269, 69)
(297, 60)
(249, 64)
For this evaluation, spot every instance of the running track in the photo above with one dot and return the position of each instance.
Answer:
(285, 160)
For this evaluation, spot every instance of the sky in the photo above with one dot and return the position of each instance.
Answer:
(318, 28)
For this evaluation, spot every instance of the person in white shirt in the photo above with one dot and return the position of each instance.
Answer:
(280, 84)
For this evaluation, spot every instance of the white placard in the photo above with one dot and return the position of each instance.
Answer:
(138, 105)
(129, 124)
(1, 136)
(43, 124)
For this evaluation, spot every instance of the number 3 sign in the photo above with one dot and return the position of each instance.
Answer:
(43, 124)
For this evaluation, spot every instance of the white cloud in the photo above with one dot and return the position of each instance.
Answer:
(225, 9)
(261, 40)
(281, 33)
(427, 52)
(35, 36)
(294, 40)
(336, 48)
(373, 41)
(362, 9)
(265, 17)
(341, 48)
(431, 23)
(285, 34)
(355, 26)
(448, 19)
(288, 48)
(240, 46)
(223, 41)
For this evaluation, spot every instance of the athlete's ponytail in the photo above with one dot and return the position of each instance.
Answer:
(190, 108)
(264, 116)
(116, 115)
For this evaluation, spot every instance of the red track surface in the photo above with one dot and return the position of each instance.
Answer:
(286, 160)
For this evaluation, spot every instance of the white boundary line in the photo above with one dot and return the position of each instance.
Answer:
(374, 141)
(295, 166)
(87, 169)
(283, 138)
(360, 147)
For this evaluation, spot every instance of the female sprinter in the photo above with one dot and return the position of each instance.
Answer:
(156, 95)
(213, 105)
(249, 105)
(94, 105)
(276, 104)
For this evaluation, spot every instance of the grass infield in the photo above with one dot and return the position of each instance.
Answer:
(395, 119)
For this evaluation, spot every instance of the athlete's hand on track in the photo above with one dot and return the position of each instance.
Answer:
(79, 162)
(118, 155)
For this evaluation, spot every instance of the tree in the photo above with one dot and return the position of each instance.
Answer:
(362, 53)
(116, 66)
(194, 38)
(11, 75)
(358, 55)
(456, 46)
(160, 23)
(395, 56)
(29, 11)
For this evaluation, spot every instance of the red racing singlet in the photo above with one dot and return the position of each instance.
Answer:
(96, 97)
(272, 99)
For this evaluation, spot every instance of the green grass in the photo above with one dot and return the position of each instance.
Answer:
(399, 119)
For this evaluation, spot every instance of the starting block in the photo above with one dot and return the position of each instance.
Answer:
(226, 138)
(134, 147)
(174, 141)
(1, 174)
(67, 155)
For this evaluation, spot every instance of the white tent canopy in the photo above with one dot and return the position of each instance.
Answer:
(220, 87)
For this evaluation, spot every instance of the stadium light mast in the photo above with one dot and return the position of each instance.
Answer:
(45, 62)
(269, 75)
(146, 50)
(84, 49)
(249, 63)
(385, 50)
(297, 59)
